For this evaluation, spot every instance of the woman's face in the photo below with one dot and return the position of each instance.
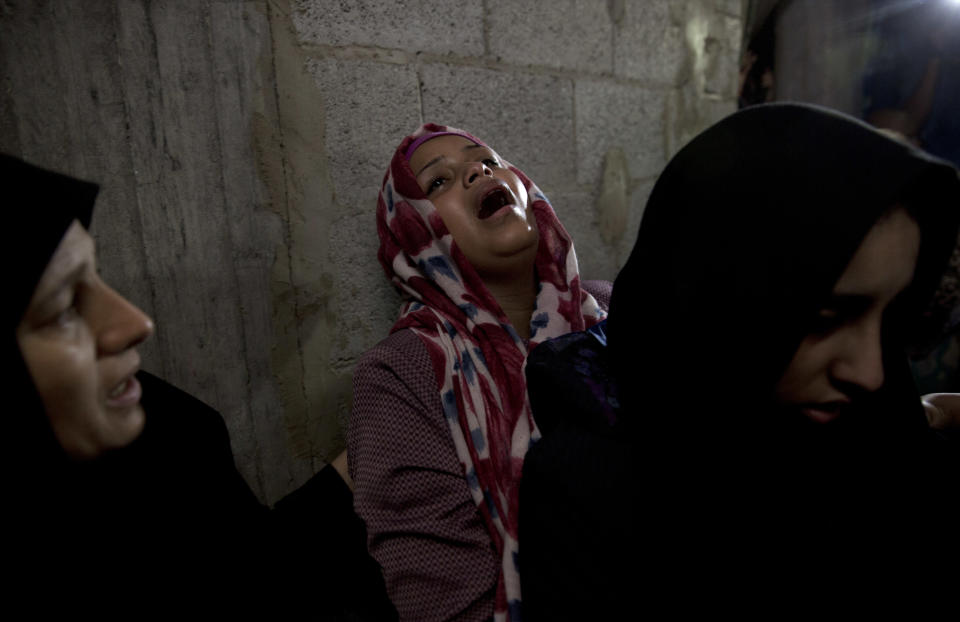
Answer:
(483, 204)
(842, 357)
(78, 338)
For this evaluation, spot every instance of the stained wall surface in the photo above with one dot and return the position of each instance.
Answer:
(240, 146)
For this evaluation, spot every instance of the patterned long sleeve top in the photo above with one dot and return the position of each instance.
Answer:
(423, 527)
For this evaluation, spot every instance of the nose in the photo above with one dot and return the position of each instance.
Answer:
(860, 363)
(120, 324)
(474, 171)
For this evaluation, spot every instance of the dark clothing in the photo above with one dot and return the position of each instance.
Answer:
(166, 520)
(693, 487)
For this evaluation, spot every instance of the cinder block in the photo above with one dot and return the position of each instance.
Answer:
(441, 26)
(617, 115)
(733, 8)
(565, 34)
(721, 50)
(527, 118)
(596, 257)
(368, 108)
(363, 300)
(650, 44)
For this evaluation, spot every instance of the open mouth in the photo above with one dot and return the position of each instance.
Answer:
(126, 394)
(492, 202)
(121, 388)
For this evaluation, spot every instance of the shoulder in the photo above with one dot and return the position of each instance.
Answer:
(400, 364)
(403, 351)
(396, 412)
(184, 459)
(600, 290)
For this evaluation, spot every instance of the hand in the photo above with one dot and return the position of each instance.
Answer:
(943, 410)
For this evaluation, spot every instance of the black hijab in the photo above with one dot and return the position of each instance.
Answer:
(691, 489)
(178, 473)
(744, 236)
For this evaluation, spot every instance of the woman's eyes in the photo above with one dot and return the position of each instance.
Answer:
(827, 320)
(68, 313)
(439, 180)
(434, 183)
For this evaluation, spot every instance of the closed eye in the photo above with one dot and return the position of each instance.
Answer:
(68, 312)
(826, 321)
(839, 311)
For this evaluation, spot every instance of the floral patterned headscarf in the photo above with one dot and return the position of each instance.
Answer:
(478, 356)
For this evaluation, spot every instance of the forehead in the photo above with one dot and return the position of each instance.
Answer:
(886, 259)
(450, 146)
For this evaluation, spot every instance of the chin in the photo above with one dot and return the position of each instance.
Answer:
(520, 237)
(113, 430)
(125, 427)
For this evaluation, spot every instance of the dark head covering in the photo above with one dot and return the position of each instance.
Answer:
(692, 488)
(178, 475)
(40, 207)
(744, 236)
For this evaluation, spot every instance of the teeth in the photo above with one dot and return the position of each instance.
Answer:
(118, 391)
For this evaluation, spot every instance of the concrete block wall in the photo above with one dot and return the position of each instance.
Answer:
(241, 145)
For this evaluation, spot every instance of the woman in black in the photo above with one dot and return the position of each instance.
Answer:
(116, 478)
(746, 421)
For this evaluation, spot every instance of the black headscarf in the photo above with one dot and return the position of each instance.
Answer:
(171, 507)
(179, 472)
(744, 236)
(666, 474)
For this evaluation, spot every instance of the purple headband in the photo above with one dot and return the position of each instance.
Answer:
(430, 135)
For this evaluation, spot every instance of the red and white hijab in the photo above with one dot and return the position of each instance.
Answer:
(478, 357)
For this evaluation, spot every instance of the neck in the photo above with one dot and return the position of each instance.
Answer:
(517, 297)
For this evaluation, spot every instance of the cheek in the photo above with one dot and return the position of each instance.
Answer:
(519, 190)
(60, 369)
(454, 218)
(803, 371)
(67, 380)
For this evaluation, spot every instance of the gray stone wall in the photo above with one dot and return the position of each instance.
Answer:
(240, 146)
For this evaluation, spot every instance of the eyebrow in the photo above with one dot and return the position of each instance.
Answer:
(440, 157)
(429, 164)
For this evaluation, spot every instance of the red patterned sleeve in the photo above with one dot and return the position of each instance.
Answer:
(422, 525)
